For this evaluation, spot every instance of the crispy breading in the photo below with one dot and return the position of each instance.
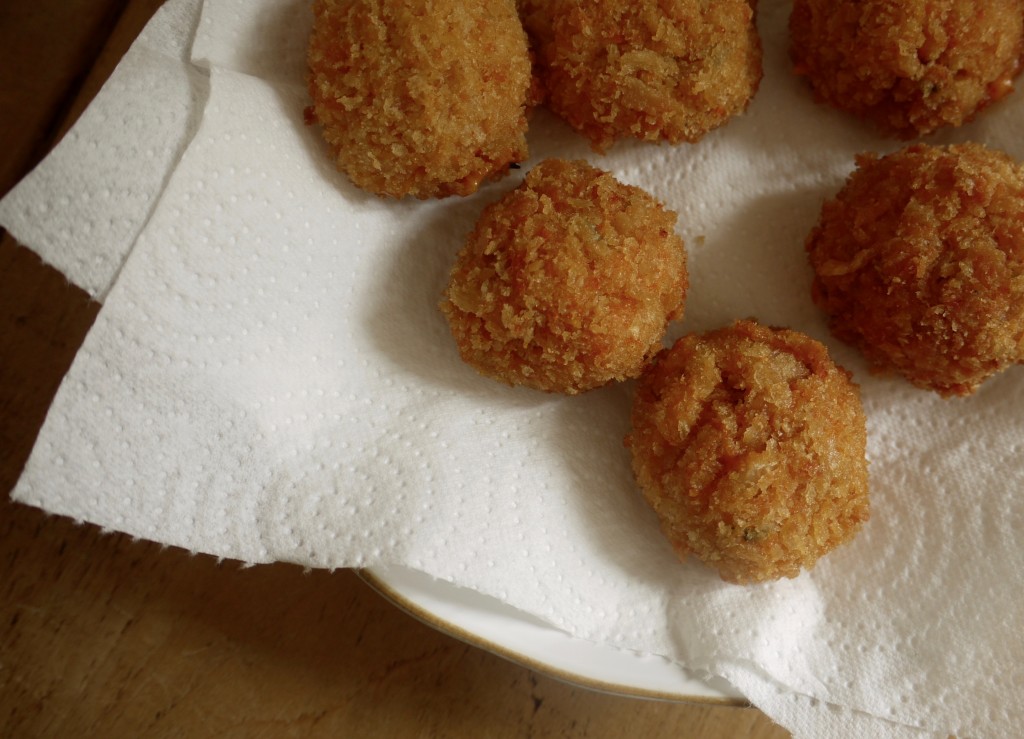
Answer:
(568, 282)
(420, 103)
(909, 67)
(656, 70)
(919, 262)
(749, 443)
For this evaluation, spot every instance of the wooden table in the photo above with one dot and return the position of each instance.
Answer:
(104, 636)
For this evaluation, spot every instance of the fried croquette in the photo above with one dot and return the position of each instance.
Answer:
(909, 67)
(568, 282)
(749, 443)
(417, 102)
(919, 262)
(668, 70)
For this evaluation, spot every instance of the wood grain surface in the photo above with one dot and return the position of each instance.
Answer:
(104, 636)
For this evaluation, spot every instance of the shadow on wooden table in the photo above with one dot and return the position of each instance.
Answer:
(114, 637)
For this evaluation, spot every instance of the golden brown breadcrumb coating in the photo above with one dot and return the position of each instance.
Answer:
(749, 443)
(415, 101)
(909, 67)
(654, 70)
(919, 262)
(568, 282)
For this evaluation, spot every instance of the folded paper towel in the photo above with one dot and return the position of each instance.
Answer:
(269, 379)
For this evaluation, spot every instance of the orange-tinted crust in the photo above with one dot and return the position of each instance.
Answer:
(749, 443)
(656, 70)
(919, 262)
(909, 67)
(419, 103)
(568, 282)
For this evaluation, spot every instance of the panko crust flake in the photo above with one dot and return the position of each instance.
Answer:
(909, 68)
(919, 262)
(428, 104)
(653, 70)
(568, 282)
(749, 443)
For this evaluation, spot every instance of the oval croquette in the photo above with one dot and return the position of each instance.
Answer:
(908, 67)
(749, 443)
(568, 282)
(653, 70)
(919, 262)
(428, 104)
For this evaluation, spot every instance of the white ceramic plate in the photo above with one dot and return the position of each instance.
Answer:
(487, 623)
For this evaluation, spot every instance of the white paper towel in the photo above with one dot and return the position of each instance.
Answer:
(83, 207)
(269, 379)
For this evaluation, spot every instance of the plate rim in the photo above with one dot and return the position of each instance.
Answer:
(379, 582)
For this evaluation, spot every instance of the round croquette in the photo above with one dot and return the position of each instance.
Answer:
(749, 443)
(568, 282)
(909, 67)
(919, 262)
(656, 70)
(420, 103)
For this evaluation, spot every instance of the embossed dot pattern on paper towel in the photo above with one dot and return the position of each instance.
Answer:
(235, 34)
(113, 181)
